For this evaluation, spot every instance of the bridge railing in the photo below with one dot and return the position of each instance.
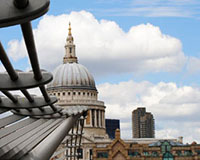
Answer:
(31, 127)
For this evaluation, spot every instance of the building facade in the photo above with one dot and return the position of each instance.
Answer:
(142, 124)
(146, 149)
(74, 86)
(111, 126)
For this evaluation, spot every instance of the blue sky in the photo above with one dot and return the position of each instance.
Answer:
(178, 18)
(141, 53)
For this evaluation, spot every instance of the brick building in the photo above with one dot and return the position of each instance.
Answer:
(146, 149)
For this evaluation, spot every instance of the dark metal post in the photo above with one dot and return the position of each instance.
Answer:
(4, 59)
(10, 96)
(30, 45)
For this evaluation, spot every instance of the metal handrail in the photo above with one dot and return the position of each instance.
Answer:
(32, 116)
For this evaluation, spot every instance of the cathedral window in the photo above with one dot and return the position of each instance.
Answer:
(88, 93)
(58, 94)
(63, 93)
(80, 153)
(93, 117)
(68, 93)
(74, 93)
(79, 93)
(70, 50)
(83, 93)
(91, 154)
(97, 112)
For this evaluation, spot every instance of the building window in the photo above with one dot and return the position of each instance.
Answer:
(187, 153)
(54, 94)
(66, 153)
(91, 154)
(80, 153)
(198, 152)
(145, 153)
(74, 93)
(83, 93)
(68, 93)
(132, 153)
(165, 147)
(154, 154)
(102, 154)
(179, 153)
(63, 93)
(58, 94)
(79, 93)
(93, 117)
(88, 94)
(168, 156)
(97, 112)
(70, 50)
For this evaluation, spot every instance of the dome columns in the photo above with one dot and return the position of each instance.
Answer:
(96, 118)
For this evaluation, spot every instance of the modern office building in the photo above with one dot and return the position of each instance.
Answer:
(111, 126)
(142, 124)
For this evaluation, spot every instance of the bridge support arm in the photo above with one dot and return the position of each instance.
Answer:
(48, 146)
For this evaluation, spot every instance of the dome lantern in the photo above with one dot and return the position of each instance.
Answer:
(70, 54)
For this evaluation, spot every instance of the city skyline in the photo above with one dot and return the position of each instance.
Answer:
(140, 53)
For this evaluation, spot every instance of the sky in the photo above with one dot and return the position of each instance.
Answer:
(141, 53)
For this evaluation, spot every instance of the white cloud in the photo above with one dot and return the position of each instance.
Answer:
(175, 109)
(17, 49)
(193, 65)
(144, 48)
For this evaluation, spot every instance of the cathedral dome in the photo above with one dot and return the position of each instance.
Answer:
(72, 76)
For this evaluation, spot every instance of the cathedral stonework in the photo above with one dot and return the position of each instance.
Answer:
(74, 85)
